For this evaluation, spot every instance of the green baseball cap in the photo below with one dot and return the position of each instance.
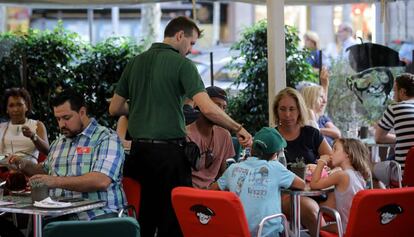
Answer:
(268, 140)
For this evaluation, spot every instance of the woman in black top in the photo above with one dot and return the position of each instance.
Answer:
(291, 115)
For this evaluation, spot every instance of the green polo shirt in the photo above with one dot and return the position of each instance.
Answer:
(156, 82)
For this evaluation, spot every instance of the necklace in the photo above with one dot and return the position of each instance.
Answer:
(208, 153)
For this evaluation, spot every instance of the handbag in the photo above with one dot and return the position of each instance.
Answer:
(192, 152)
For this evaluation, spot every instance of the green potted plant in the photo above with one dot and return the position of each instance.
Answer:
(298, 167)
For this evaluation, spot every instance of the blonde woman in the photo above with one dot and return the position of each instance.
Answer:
(303, 141)
(315, 100)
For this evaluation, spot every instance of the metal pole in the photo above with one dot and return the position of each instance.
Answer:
(216, 23)
(211, 69)
(115, 20)
(90, 24)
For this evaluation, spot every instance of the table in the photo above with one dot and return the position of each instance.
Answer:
(23, 205)
(295, 204)
(375, 147)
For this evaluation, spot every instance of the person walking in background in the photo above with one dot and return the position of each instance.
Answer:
(215, 143)
(400, 118)
(85, 161)
(156, 83)
(258, 180)
(352, 156)
(346, 39)
(312, 44)
(406, 55)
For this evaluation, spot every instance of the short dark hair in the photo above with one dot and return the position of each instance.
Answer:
(406, 81)
(181, 23)
(263, 156)
(76, 100)
(18, 92)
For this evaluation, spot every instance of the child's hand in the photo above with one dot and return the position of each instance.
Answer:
(325, 158)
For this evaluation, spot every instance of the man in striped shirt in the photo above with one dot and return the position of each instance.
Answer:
(86, 161)
(399, 117)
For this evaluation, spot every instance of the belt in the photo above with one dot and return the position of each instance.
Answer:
(179, 141)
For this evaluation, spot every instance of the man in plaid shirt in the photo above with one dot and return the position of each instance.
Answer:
(85, 161)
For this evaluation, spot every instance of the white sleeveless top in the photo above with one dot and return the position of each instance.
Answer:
(344, 199)
(14, 142)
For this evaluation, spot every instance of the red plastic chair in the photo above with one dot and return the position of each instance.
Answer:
(207, 213)
(377, 212)
(408, 176)
(132, 189)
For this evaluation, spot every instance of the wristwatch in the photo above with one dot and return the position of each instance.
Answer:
(34, 137)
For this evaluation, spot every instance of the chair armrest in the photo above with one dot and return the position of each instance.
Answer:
(284, 222)
(334, 213)
(127, 208)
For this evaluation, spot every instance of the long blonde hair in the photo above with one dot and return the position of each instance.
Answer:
(358, 154)
(300, 103)
(311, 95)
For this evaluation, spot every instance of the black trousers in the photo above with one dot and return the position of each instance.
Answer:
(159, 168)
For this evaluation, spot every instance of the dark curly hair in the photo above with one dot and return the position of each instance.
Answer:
(17, 92)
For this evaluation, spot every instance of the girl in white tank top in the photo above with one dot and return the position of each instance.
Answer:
(352, 156)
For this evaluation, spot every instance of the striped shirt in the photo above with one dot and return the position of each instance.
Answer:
(400, 117)
(95, 149)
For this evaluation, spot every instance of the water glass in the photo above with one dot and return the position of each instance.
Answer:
(40, 191)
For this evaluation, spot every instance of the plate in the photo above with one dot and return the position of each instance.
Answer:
(52, 205)
(23, 192)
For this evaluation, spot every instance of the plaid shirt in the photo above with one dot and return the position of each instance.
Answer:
(95, 149)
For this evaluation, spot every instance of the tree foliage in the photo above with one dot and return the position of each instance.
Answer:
(45, 61)
(250, 105)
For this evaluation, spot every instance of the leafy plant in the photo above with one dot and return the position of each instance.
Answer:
(250, 105)
(300, 163)
(40, 61)
(98, 72)
(342, 102)
(47, 61)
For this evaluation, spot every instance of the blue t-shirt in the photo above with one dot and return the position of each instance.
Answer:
(258, 183)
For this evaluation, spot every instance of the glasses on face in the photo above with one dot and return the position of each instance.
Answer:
(208, 158)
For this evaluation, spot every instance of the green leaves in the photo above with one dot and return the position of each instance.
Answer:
(250, 106)
(44, 61)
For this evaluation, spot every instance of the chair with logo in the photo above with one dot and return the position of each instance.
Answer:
(376, 212)
(123, 226)
(408, 177)
(206, 213)
(132, 191)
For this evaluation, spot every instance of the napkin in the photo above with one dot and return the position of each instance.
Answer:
(51, 203)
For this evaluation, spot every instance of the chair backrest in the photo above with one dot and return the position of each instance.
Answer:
(123, 226)
(132, 189)
(207, 213)
(408, 177)
(388, 172)
(382, 212)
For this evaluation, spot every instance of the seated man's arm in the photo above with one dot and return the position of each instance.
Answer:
(26, 166)
(383, 136)
(90, 182)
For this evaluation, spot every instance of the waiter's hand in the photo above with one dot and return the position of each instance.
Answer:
(244, 137)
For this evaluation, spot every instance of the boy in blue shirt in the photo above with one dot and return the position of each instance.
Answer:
(258, 180)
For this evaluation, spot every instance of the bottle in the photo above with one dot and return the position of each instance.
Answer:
(246, 153)
(282, 158)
